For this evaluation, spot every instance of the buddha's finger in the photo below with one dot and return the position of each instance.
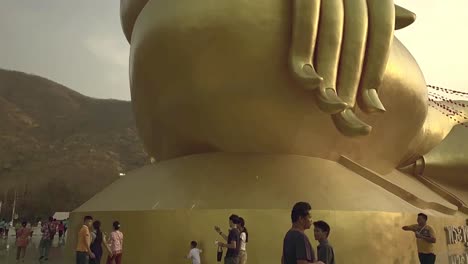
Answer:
(129, 12)
(304, 33)
(350, 68)
(327, 54)
(349, 124)
(379, 38)
(352, 50)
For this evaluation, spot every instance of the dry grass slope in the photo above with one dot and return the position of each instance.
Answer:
(57, 147)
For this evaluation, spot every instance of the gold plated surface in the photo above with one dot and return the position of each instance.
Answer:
(188, 195)
(129, 11)
(448, 162)
(250, 181)
(436, 127)
(234, 99)
(404, 17)
(445, 168)
(201, 86)
(400, 185)
(322, 39)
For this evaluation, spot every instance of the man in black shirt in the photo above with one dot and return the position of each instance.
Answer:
(296, 245)
(233, 241)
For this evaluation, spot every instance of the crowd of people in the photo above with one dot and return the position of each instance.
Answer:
(49, 230)
(235, 241)
(297, 248)
(91, 242)
(24, 231)
(296, 245)
(4, 228)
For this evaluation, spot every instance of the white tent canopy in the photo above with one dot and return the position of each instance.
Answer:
(61, 215)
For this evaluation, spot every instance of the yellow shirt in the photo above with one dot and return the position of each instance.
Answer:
(84, 239)
(423, 245)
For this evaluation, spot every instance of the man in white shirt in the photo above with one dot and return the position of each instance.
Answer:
(194, 253)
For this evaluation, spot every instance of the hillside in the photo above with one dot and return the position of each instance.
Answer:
(57, 147)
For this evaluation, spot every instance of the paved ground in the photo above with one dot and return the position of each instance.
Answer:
(8, 252)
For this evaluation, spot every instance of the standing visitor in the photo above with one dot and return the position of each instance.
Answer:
(296, 245)
(233, 241)
(7, 229)
(46, 240)
(53, 229)
(2, 227)
(98, 239)
(65, 227)
(61, 231)
(116, 244)
(17, 226)
(83, 250)
(22, 240)
(325, 251)
(425, 239)
(194, 253)
(37, 228)
(28, 225)
(244, 239)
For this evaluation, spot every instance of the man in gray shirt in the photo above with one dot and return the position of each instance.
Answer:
(296, 245)
(324, 249)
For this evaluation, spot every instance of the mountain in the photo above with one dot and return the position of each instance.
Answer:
(57, 147)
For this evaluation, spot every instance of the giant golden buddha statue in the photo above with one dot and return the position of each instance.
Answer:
(251, 106)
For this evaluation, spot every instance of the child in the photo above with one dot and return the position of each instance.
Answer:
(324, 249)
(194, 253)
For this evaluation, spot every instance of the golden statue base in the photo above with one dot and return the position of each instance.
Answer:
(162, 207)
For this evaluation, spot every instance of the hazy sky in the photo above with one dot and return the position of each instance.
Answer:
(80, 43)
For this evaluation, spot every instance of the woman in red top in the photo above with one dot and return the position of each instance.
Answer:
(116, 245)
(22, 240)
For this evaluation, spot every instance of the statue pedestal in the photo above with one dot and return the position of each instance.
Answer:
(162, 207)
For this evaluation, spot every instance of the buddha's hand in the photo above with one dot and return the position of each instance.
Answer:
(340, 50)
